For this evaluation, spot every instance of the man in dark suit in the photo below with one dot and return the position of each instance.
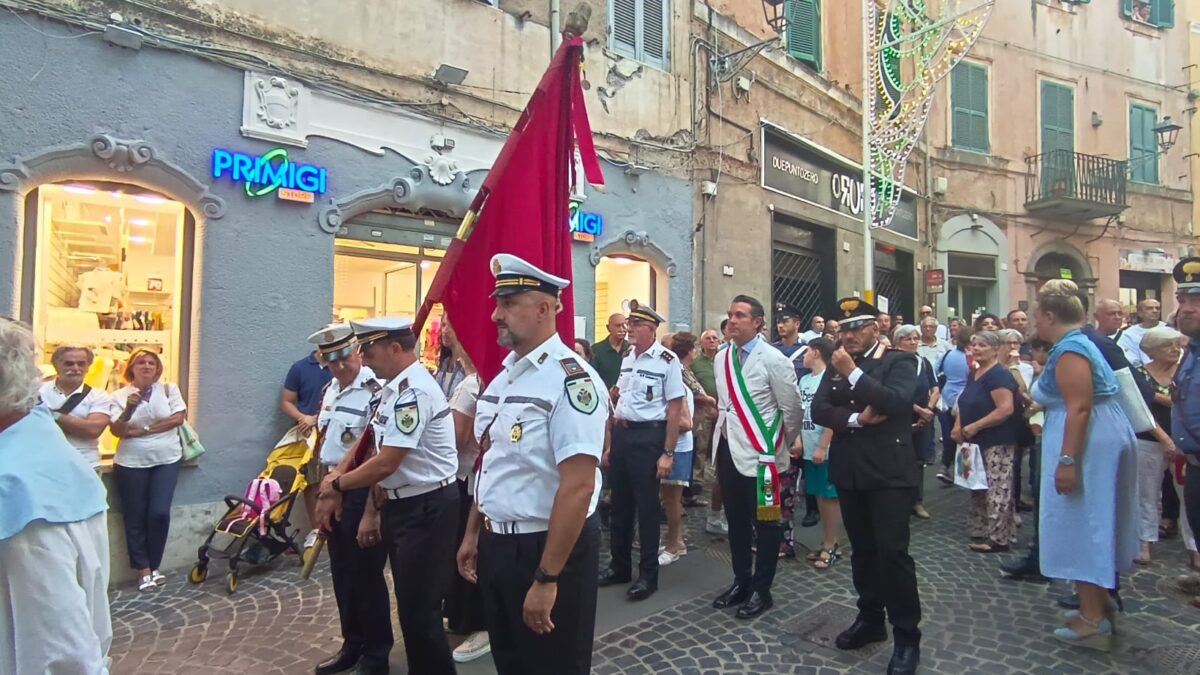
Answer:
(866, 398)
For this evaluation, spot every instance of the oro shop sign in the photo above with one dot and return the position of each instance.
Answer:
(273, 172)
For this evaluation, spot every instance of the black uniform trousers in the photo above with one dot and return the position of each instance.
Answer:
(506, 566)
(464, 607)
(740, 494)
(635, 452)
(359, 586)
(884, 573)
(419, 532)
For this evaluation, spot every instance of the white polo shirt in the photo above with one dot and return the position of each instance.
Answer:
(538, 412)
(95, 402)
(647, 382)
(345, 414)
(414, 414)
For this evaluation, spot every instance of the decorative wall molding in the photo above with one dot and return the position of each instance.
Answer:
(636, 243)
(1088, 277)
(136, 161)
(414, 191)
(283, 110)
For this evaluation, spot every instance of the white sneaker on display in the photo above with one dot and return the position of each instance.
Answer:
(310, 539)
(473, 647)
(717, 525)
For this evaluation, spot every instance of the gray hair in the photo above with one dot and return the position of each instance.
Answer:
(990, 338)
(1007, 334)
(1160, 336)
(928, 319)
(19, 373)
(63, 350)
(904, 331)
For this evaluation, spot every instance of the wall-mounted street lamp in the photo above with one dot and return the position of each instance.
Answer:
(773, 12)
(1167, 132)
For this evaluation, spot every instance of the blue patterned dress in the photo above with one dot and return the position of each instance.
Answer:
(1089, 535)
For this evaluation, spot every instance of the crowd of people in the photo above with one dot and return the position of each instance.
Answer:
(1091, 428)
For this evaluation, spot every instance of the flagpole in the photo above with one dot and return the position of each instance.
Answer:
(867, 193)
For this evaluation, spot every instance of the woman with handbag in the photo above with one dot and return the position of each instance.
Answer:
(1088, 490)
(985, 419)
(146, 417)
(1155, 449)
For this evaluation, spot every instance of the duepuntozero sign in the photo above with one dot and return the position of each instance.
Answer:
(270, 173)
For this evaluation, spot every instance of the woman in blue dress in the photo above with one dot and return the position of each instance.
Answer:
(1089, 468)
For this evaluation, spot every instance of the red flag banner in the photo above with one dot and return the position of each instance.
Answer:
(523, 209)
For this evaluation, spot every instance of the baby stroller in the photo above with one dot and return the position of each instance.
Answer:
(255, 528)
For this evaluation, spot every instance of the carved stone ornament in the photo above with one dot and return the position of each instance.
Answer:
(638, 243)
(278, 101)
(416, 191)
(102, 156)
(442, 169)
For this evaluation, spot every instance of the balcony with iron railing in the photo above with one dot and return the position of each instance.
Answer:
(1071, 186)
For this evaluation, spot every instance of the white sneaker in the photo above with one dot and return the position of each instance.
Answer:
(666, 557)
(159, 578)
(311, 539)
(147, 584)
(473, 647)
(717, 525)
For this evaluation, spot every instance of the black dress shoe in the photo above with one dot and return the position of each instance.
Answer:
(860, 634)
(641, 589)
(1027, 569)
(811, 519)
(610, 578)
(338, 663)
(905, 658)
(759, 602)
(736, 595)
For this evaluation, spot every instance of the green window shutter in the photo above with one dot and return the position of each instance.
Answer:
(1058, 117)
(622, 27)
(1127, 8)
(1143, 145)
(1162, 13)
(804, 31)
(969, 100)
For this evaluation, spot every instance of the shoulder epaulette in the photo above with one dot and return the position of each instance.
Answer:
(542, 358)
(667, 356)
(372, 385)
(628, 351)
(402, 387)
(571, 366)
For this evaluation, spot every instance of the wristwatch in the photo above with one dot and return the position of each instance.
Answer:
(669, 453)
(337, 484)
(543, 577)
(1066, 460)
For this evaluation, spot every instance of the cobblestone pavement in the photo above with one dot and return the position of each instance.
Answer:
(975, 621)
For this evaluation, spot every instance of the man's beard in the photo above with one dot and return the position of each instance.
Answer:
(507, 340)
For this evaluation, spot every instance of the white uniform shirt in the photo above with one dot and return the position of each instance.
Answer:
(464, 401)
(647, 382)
(538, 412)
(150, 450)
(413, 414)
(95, 402)
(1131, 343)
(344, 415)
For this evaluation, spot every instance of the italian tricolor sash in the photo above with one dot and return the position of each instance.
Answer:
(766, 439)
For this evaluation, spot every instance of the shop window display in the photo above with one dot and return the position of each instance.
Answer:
(623, 278)
(108, 275)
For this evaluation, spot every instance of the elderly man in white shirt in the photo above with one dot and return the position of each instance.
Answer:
(1149, 312)
(80, 411)
(54, 566)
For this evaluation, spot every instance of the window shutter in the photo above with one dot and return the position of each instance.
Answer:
(979, 107)
(1163, 13)
(1127, 8)
(654, 23)
(804, 30)
(623, 26)
(1143, 146)
(969, 100)
(1058, 112)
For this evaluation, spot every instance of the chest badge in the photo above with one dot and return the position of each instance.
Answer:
(347, 437)
(517, 432)
(649, 393)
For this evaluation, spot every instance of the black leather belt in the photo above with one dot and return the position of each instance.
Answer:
(641, 425)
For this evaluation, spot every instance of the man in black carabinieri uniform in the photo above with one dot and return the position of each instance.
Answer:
(866, 398)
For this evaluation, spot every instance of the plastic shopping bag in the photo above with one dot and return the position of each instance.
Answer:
(968, 467)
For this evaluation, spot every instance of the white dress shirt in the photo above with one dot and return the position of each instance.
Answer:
(1131, 344)
(770, 379)
(345, 414)
(540, 410)
(95, 402)
(647, 383)
(414, 414)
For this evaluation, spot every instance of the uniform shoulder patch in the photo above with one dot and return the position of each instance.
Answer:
(582, 394)
(667, 356)
(402, 387)
(542, 358)
(372, 386)
(571, 366)
(407, 415)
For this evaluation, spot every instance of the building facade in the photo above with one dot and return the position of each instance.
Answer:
(216, 187)
(1046, 162)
